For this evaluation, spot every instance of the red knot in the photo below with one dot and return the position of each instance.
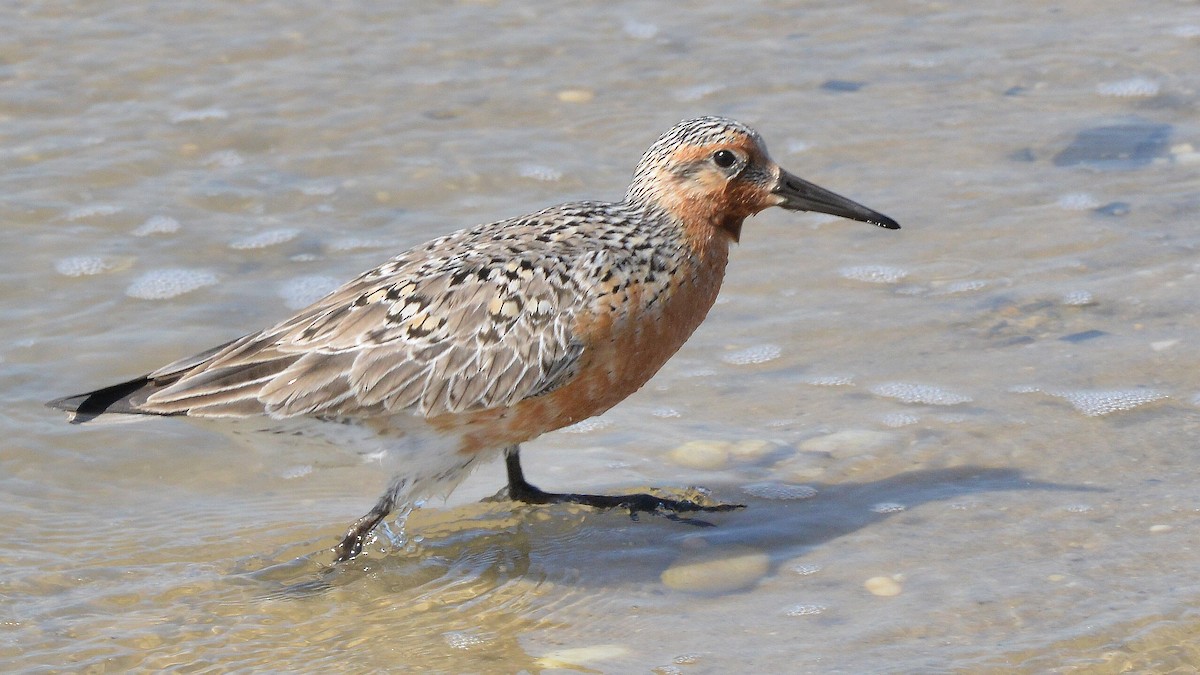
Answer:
(468, 345)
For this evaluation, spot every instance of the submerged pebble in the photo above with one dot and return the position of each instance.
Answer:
(161, 284)
(849, 442)
(576, 95)
(705, 455)
(1119, 146)
(884, 587)
(719, 571)
(751, 449)
(574, 658)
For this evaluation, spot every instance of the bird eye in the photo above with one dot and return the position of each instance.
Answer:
(724, 158)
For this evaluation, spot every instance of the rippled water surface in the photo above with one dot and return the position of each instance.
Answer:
(966, 445)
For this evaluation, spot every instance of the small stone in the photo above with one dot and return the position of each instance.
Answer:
(576, 95)
(751, 449)
(704, 455)
(573, 658)
(720, 571)
(1161, 528)
(884, 587)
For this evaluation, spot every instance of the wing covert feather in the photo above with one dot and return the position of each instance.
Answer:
(479, 326)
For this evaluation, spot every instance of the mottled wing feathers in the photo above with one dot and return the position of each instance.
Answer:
(463, 323)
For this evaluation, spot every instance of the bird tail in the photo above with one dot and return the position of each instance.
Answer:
(115, 399)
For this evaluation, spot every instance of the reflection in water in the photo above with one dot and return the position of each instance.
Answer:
(485, 575)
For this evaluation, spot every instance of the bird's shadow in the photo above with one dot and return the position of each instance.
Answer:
(603, 548)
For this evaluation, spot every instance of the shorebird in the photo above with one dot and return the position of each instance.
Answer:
(468, 345)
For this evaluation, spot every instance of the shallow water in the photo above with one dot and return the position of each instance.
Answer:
(964, 446)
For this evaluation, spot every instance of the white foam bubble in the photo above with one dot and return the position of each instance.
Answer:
(303, 291)
(806, 610)
(199, 115)
(166, 283)
(458, 639)
(697, 92)
(356, 243)
(1136, 87)
(1078, 298)
(265, 239)
(963, 286)
(896, 420)
(225, 159)
(797, 146)
(84, 265)
(539, 172)
(157, 225)
(1077, 201)
(769, 490)
(665, 413)
(875, 274)
(319, 189)
(830, 380)
(805, 569)
(298, 471)
(92, 211)
(587, 426)
(639, 29)
(887, 507)
(753, 355)
(1095, 403)
(919, 393)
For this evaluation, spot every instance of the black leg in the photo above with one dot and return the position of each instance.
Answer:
(352, 544)
(520, 490)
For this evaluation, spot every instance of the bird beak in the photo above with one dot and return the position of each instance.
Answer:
(797, 194)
